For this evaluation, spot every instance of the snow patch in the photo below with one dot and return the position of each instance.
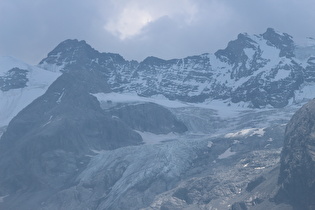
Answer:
(151, 138)
(259, 168)
(246, 132)
(259, 132)
(210, 144)
(2, 198)
(282, 74)
(226, 154)
(60, 97)
(53, 67)
(249, 52)
(48, 122)
(236, 142)
(268, 52)
(98, 151)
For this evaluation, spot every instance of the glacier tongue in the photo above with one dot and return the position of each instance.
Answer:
(201, 168)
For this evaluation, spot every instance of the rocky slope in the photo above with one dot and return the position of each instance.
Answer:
(148, 117)
(298, 160)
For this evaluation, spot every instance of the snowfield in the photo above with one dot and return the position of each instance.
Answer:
(14, 100)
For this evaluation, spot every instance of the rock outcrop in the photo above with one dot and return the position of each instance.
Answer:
(297, 171)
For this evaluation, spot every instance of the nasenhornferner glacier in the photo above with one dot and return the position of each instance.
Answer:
(91, 130)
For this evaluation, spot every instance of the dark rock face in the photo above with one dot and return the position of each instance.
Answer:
(74, 55)
(182, 193)
(73, 50)
(283, 42)
(298, 160)
(46, 143)
(253, 184)
(262, 91)
(14, 79)
(310, 70)
(149, 117)
(234, 53)
(175, 79)
(239, 206)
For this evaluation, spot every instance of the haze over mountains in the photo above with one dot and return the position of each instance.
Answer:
(91, 130)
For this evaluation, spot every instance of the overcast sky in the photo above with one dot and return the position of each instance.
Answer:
(29, 29)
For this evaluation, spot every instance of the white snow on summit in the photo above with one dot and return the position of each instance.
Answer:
(7, 63)
(14, 100)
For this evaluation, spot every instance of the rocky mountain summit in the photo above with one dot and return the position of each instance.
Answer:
(261, 70)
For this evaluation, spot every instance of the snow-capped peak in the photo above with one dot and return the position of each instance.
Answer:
(7, 63)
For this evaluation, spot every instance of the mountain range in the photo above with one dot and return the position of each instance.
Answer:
(270, 65)
(91, 130)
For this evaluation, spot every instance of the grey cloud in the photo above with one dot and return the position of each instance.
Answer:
(30, 29)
